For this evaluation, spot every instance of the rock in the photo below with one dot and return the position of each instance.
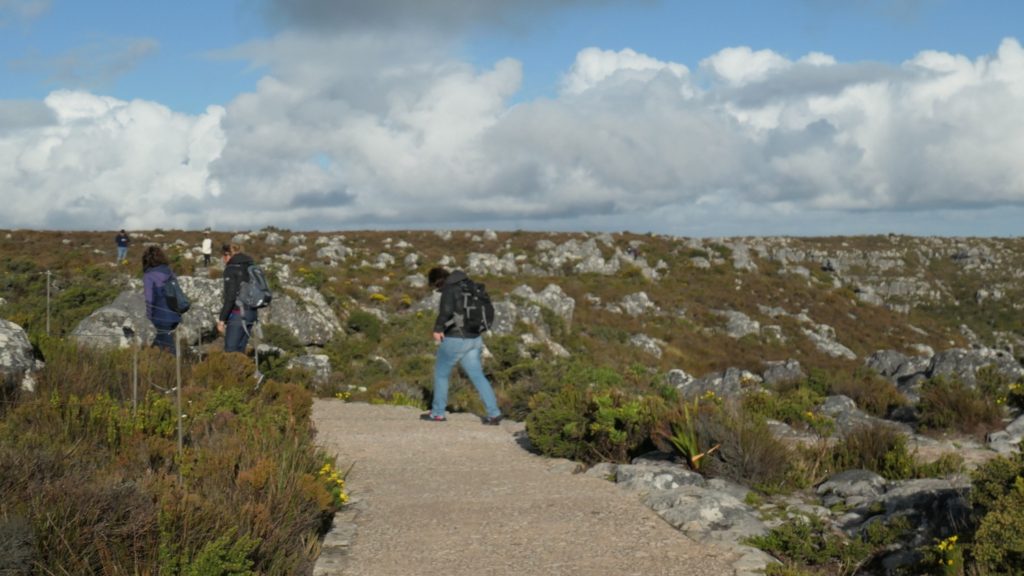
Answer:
(854, 488)
(648, 476)
(318, 364)
(17, 362)
(783, 372)
(824, 338)
(649, 345)
(964, 364)
(706, 515)
(739, 324)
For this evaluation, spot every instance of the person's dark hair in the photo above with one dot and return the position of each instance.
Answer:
(230, 249)
(437, 276)
(152, 257)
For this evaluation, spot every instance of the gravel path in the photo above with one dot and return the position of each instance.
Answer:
(460, 498)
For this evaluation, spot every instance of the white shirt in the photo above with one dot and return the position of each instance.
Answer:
(207, 246)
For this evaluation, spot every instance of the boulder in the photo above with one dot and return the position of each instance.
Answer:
(17, 362)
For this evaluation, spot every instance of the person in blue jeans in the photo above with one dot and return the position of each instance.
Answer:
(156, 272)
(122, 240)
(235, 321)
(456, 345)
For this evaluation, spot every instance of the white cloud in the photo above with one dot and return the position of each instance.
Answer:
(594, 66)
(741, 65)
(106, 163)
(363, 130)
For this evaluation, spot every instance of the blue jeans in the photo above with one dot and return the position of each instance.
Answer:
(122, 253)
(466, 352)
(236, 332)
(165, 337)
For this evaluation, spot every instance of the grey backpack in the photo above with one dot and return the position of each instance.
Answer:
(255, 293)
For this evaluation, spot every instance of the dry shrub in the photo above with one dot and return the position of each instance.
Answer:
(949, 404)
(876, 447)
(749, 454)
(871, 392)
(225, 370)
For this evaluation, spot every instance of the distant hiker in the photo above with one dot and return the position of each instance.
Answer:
(235, 321)
(207, 249)
(122, 240)
(155, 273)
(458, 336)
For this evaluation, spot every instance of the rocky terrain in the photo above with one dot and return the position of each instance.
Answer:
(719, 315)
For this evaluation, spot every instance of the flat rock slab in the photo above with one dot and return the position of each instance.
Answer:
(460, 498)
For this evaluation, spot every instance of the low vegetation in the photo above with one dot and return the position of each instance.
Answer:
(90, 483)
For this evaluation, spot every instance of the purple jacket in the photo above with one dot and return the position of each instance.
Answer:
(156, 306)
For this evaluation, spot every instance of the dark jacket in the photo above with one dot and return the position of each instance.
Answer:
(450, 293)
(156, 305)
(122, 240)
(236, 271)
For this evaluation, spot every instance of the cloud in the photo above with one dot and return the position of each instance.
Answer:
(375, 130)
(106, 163)
(440, 15)
(594, 66)
(92, 66)
(24, 114)
(22, 10)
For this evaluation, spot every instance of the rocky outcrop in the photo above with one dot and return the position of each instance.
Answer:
(303, 311)
(17, 362)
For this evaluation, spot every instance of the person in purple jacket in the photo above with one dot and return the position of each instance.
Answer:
(156, 272)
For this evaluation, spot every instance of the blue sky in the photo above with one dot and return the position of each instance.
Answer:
(683, 117)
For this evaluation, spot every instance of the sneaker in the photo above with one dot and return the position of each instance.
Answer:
(493, 420)
(431, 418)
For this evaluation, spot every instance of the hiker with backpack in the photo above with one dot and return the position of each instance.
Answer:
(245, 291)
(464, 313)
(156, 273)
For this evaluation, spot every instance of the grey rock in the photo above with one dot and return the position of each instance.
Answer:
(739, 324)
(648, 476)
(964, 364)
(854, 488)
(318, 364)
(17, 362)
(706, 515)
(783, 372)
(649, 345)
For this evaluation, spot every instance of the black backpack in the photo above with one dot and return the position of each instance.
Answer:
(175, 297)
(255, 293)
(474, 312)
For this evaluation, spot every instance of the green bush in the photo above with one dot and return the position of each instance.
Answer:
(365, 323)
(999, 500)
(588, 426)
(807, 542)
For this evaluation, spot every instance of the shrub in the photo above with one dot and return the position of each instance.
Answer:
(999, 541)
(952, 405)
(748, 453)
(678, 431)
(879, 448)
(806, 541)
(587, 426)
(365, 323)
(283, 338)
(105, 491)
(998, 498)
(871, 392)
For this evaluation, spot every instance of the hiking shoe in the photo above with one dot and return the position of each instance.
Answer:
(493, 420)
(431, 418)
